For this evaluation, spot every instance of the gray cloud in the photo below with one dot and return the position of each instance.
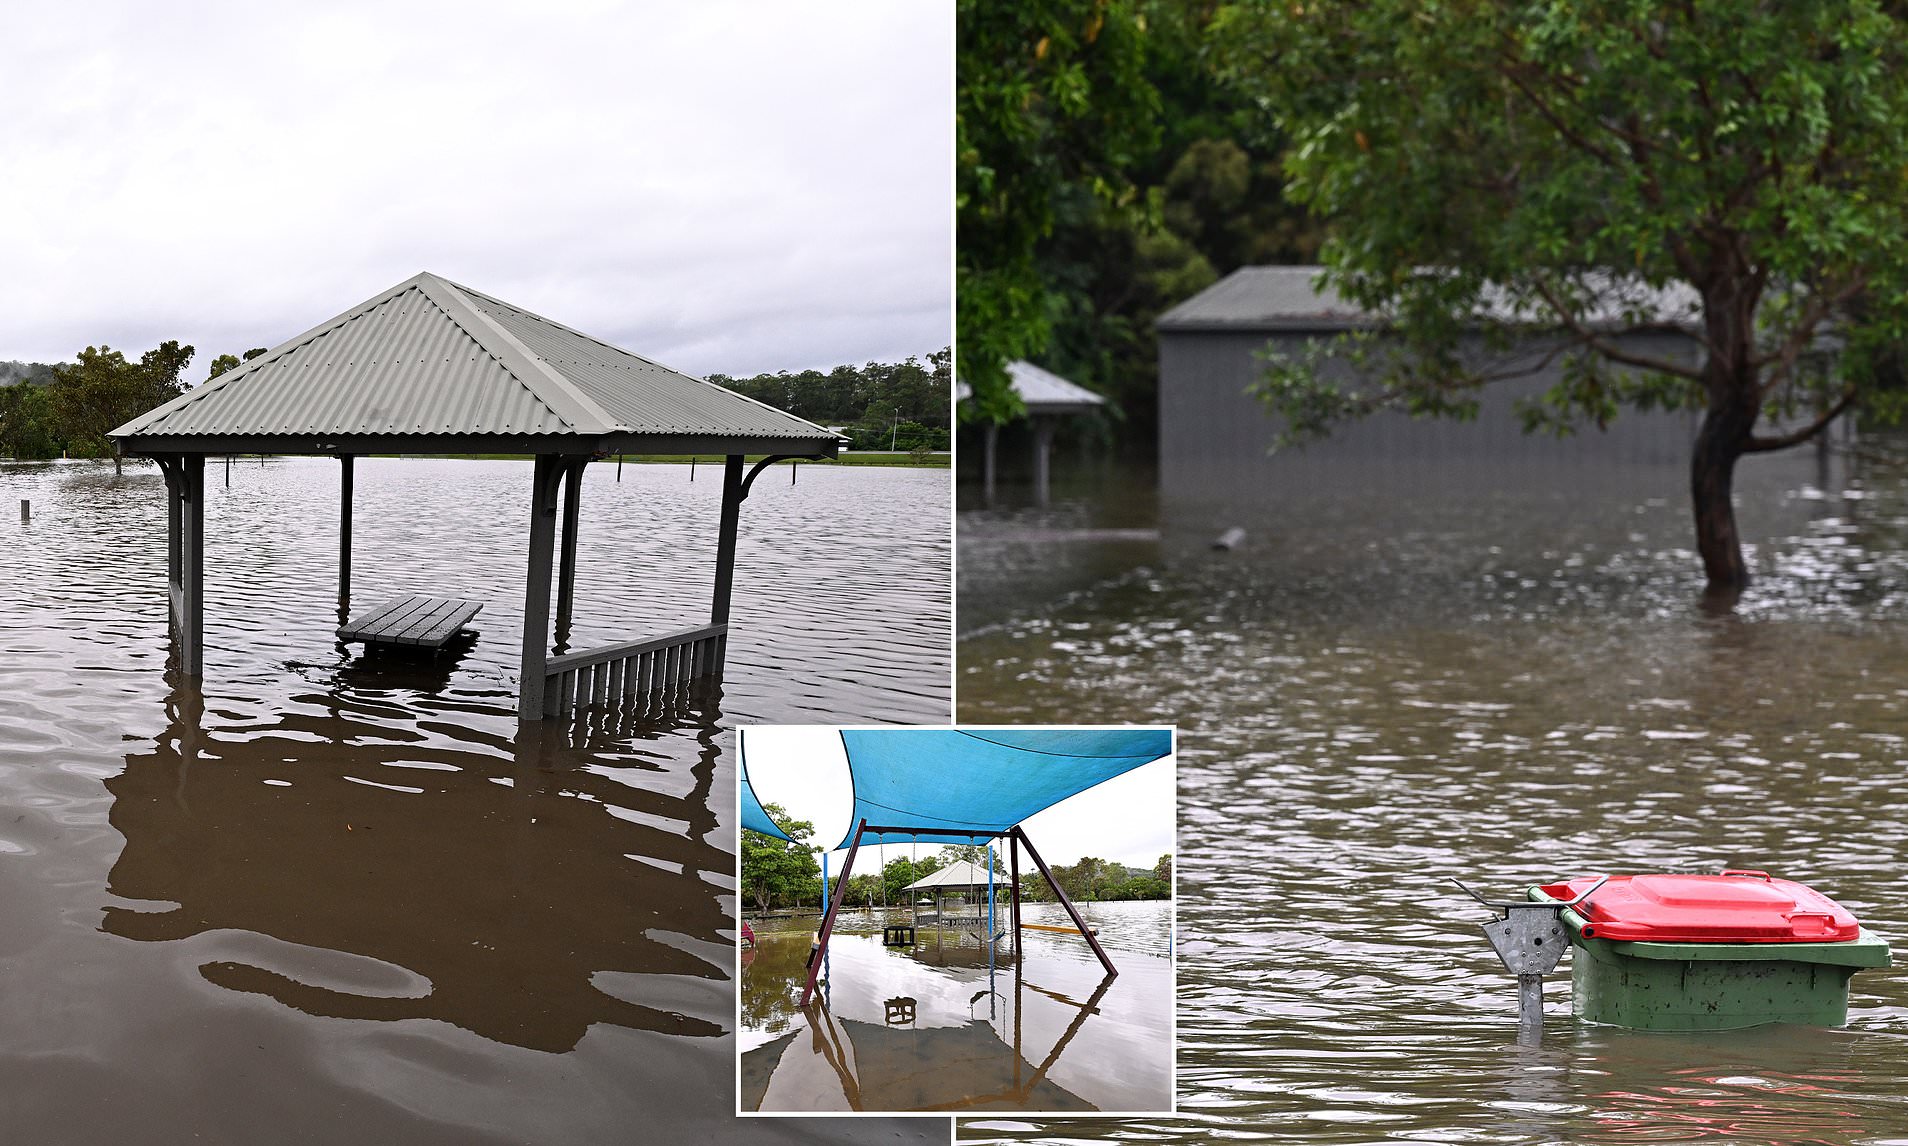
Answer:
(731, 187)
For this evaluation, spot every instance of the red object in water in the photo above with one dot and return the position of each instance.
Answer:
(748, 934)
(1734, 907)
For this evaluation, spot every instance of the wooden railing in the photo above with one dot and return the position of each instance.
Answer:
(616, 676)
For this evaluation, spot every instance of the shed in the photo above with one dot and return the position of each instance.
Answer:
(1214, 437)
(432, 367)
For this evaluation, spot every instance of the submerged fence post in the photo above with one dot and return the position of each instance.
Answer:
(26, 510)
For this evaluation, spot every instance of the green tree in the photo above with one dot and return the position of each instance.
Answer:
(897, 874)
(975, 854)
(777, 871)
(103, 389)
(1051, 94)
(1584, 169)
(26, 422)
(1163, 870)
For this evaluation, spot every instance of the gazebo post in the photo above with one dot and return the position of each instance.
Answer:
(566, 566)
(725, 538)
(185, 553)
(536, 589)
(344, 537)
(1043, 453)
(990, 439)
(1078, 922)
(834, 904)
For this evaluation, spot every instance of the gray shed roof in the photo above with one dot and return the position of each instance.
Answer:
(1265, 298)
(1045, 392)
(429, 359)
(961, 873)
(1289, 298)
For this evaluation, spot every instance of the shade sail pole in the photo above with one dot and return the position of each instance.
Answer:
(344, 537)
(828, 921)
(566, 571)
(1078, 922)
(1013, 874)
(536, 588)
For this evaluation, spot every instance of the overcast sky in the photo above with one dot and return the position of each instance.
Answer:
(723, 187)
(1128, 819)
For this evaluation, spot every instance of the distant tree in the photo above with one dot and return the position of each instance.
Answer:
(103, 390)
(26, 422)
(1581, 170)
(1163, 870)
(897, 874)
(777, 871)
(975, 854)
(863, 891)
(221, 364)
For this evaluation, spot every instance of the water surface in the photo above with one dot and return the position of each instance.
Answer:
(1498, 675)
(320, 898)
(949, 1025)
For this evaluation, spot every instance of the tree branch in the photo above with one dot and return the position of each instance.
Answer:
(1797, 437)
(1591, 339)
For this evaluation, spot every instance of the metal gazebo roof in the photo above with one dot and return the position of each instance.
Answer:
(961, 873)
(430, 366)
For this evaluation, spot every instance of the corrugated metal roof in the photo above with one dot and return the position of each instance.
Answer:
(1045, 392)
(1289, 298)
(960, 873)
(431, 357)
(1265, 297)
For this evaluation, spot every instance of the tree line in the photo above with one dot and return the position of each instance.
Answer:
(66, 409)
(778, 874)
(883, 405)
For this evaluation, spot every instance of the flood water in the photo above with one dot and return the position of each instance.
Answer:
(322, 899)
(1501, 676)
(947, 1025)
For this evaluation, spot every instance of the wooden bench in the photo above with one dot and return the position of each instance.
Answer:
(416, 622)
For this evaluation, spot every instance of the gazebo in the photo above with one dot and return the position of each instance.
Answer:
(963, 877)
(1048, 398)
(431, 367)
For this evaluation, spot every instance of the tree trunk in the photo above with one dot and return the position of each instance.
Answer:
(1712, 472)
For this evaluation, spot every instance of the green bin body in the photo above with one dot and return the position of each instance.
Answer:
(1712, 986)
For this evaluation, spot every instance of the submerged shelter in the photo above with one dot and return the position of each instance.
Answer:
(968, 880)
(431, 367)
(971, 786)
(1215, 436)
(1048, 398)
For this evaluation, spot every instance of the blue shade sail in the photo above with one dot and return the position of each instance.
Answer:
(963, 786)
(754, 817)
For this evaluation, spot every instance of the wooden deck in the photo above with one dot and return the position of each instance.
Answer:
(418, 622)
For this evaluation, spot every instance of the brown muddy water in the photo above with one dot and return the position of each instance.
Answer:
(1501, 676)
(942, 1026)
(324, 900)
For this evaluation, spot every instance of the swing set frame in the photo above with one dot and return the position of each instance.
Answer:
(1016, 839)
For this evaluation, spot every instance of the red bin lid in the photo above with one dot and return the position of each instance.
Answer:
(1734, 907)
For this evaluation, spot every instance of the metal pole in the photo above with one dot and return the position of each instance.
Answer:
(192, 554)
(344, 535)
(990, 897)
(828, 920)
(536, 587)
(725, 538)
(692, 467)
(1013, 873)
(228, 471)
(990, 438)
(566, 564)
(1078, 922)
(1530, 1010)
(26, 510)
(1043, 454)
(619, 467)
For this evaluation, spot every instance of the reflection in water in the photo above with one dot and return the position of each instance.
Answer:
(971, 1032)
(382, 912)
(1500, 681)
